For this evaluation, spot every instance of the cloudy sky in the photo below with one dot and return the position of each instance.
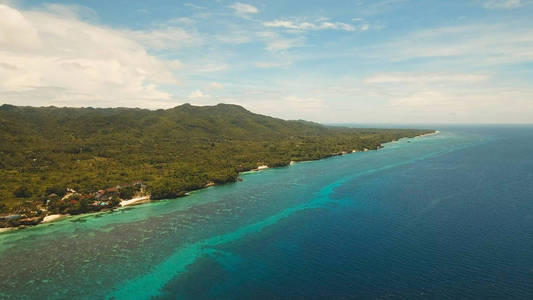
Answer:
(378, 61)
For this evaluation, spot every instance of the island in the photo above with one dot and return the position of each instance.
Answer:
(56, 161)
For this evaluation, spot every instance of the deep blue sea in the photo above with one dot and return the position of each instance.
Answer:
(447, 216)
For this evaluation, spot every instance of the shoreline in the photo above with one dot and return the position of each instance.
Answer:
(52, 218)
(135, 201)
(146, 199)
(407, 138)
(428, 134)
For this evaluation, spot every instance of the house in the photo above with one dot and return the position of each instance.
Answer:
(10, 217)
(111, 190)
(99, 194)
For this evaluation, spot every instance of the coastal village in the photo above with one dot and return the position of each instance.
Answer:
(63, 202)
(60, 202)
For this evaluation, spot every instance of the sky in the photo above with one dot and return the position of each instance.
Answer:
(356, 61)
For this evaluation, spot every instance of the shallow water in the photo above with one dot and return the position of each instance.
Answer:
(447, 216)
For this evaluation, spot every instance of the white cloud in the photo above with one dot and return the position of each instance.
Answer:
(502, 4)
(447, 97)
(336, 26)
(294, 106)
(16, 32)
(235, 37)
(474, 45)
(164, 38)
(289, 24)
(494, 105)
(216, 85)
(72, 11)
(309, 25)
(182, 20)
(48, 58)
(280, 44)
(194, 6)
(210, 67)
(244, 9)
(272, 64)
(418, 78)
(377, 7)
(198, 94)
(276, 42)
(307, 103)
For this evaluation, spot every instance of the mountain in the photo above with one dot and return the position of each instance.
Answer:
(166, 153)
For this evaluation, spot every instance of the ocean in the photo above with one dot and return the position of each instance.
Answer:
(445, 216)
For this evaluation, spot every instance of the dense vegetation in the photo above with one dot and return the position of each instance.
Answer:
(45, 151)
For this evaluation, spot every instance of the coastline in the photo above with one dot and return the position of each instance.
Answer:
(428, 134)
(135, 201)
(407, 138)
(147, 199)
(52, 218)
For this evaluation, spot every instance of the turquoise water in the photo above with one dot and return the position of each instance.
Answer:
(443, 216)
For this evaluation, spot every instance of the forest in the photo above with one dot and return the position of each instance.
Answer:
(75, 160)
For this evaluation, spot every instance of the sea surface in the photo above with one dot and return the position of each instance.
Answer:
(447, 216)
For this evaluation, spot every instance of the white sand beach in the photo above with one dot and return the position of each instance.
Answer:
(428, 134)
(51, 218)
(137, 200)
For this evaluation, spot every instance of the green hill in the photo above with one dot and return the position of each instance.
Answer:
(45, 150)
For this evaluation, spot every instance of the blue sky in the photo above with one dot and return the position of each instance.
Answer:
(392, 61)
